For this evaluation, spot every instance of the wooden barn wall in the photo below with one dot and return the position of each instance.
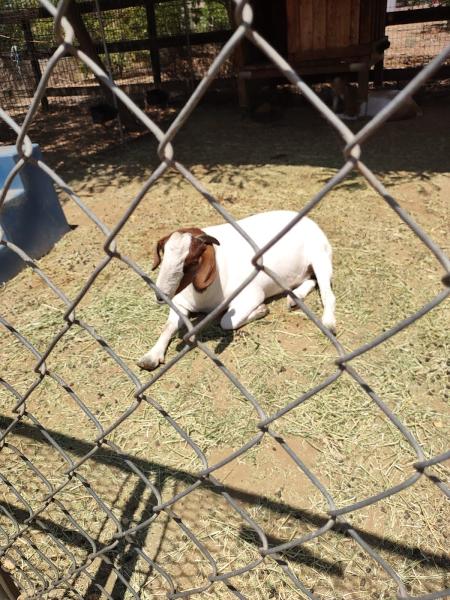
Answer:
(321, 24)
(373, 20)
(270, 21)
(307, 29)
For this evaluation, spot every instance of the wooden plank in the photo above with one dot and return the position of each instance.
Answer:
(168, 41)
(152, 36)
(338, 23)
(332, 19)
(320, 73)
(354, 21)
(373, 16)
(345, 23)
(29, 41)
(359, 52)
(365, 15)
(293, 32)
(313, 74)
(378, 74)
(19, 15)
(338, 56)
(418, 15)
(306, 25)
(319, 24)
(380, 19)
(363, 84)
(172, 41)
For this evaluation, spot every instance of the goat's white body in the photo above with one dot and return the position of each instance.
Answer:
(378, 100)
(304, 249)
(289, 258)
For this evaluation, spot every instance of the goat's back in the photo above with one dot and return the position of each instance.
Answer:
(263, 227)
(290, 257)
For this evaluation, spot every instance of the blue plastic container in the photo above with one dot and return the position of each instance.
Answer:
(31, 215)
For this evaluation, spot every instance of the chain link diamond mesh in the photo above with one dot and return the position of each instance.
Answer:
(39, 582)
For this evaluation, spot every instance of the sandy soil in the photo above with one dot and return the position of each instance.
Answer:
(382, 274)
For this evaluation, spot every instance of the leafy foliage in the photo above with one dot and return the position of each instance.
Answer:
(177, 17)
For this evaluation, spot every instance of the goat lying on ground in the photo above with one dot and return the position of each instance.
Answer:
(348, 106)
(200, 268)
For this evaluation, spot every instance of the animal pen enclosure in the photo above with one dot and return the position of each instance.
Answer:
(174, 41)
(117, 484)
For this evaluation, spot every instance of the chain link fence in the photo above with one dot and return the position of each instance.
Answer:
(414, 44)
(35, 570)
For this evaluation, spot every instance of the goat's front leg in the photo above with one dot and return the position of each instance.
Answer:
(245, 308)
(155, 357)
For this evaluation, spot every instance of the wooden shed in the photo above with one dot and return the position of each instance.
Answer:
(316, 37)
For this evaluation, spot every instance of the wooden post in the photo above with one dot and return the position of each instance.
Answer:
(86, 44)
(152, 38)
(82, 34)
(379, 73)
(29, 42)
(363, 82)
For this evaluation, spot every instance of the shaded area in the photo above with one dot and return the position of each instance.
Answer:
(227, 143)
(127, 547)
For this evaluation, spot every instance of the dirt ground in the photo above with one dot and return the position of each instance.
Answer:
(383, 273)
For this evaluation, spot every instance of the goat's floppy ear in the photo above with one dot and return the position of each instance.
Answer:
(207, 239)
(207, 271)
(158, 249)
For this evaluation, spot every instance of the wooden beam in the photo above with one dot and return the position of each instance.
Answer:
(405, 74)
(152, 37)
(167, 41)
(418, 15)
(319, 24)
(29, 42)
(17, 15)
(84, 39)
(90, 49)
(312, 74)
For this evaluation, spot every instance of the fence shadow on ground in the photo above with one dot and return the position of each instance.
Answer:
(125, 549)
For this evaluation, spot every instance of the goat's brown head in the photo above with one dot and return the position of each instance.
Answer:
(188, 257)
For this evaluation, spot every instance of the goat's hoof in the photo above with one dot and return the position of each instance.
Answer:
(149, 363)
(330, 324)
(291, 304)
